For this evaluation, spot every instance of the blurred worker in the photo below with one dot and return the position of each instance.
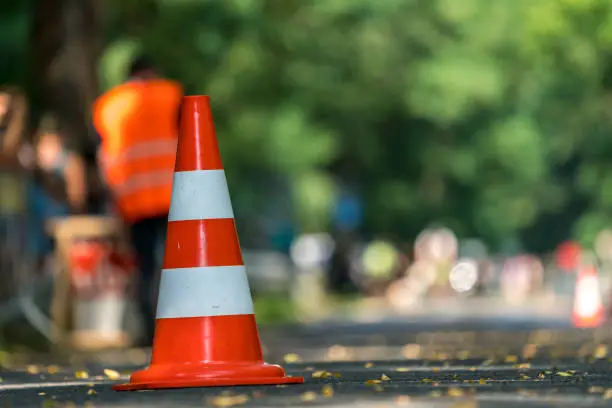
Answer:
(137, 122)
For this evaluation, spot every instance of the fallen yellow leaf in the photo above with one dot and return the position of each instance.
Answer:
(82, 375)
(91, 392)
(385, 378)
(369, 365)
(402, 369)
(229, 400)
(372, 382)
(511, 359)
(52, 369)
(607, 394)
(292, 358)
(308, 396)
(328, 391)
(601, 351)
(594, 390)
(455, 392)
(321, 374)
(112, 374)
(32, 369)
(564, 374)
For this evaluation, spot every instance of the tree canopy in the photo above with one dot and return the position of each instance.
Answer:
(492, 117)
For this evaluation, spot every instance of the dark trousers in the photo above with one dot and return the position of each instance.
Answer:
(148, 236)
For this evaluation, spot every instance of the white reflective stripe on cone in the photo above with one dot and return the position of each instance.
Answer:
(143, 150)
(144, 180)
(204, 291)
(200, 195)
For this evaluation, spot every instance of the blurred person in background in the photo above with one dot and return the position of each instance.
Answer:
(59, 184)
(137, 122)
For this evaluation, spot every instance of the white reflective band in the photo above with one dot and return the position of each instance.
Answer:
(204, 291)
(200, 195)
(144, 180)
(143, 150)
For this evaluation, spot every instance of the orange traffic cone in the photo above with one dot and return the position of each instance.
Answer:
(205, 334)
(588, 307)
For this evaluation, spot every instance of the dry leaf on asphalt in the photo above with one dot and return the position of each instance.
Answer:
(111, 374)
(32, 369)
(511, 359)
(52, 369)
(308, 396)
(601, 351)
(455, 392)
(292, 358)
(82, 375)
(327, 391)
(321, 374)
(229, 400)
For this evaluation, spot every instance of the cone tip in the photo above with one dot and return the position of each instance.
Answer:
(196, 101)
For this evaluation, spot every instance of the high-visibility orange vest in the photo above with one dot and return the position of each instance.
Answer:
(138, 124)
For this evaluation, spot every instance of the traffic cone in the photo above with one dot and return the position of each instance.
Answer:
(588, 307)
(206, 334)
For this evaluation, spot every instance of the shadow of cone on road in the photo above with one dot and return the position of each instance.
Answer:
(206, 334)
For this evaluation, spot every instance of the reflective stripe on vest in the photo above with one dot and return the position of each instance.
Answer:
(142, 181)
(143, 150)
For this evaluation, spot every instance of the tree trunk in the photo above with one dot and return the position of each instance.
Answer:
(65, 47)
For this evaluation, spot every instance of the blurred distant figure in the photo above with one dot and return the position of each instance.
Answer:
(137, 122)
(59, 187)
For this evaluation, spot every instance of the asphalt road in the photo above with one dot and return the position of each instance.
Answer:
(460, 384)
(462, 366)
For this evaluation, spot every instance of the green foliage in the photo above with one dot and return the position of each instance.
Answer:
(492, 115)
